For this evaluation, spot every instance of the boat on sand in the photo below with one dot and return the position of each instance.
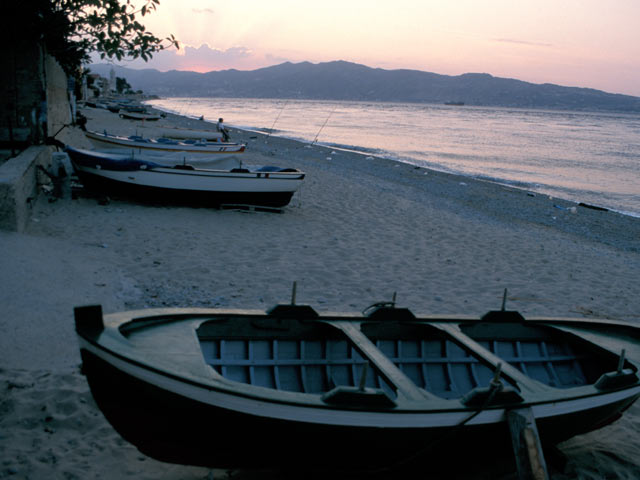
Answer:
(375, 390)
(157, 179)
(136, 115)
(189, 133)
(140, 144)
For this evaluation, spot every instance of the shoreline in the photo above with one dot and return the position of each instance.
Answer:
(560, 191)
(355, 233)
(602, 229)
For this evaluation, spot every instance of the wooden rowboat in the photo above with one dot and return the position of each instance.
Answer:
(254, 389)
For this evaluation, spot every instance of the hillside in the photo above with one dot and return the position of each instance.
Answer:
(341, 80)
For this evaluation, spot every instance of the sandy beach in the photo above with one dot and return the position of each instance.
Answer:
(358, 230)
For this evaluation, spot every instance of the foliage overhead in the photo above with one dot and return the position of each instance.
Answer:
(72, 29)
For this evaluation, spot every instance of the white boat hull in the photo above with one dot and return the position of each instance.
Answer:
(199, 180)
(184, 183)
(192, 405)
(102, 141)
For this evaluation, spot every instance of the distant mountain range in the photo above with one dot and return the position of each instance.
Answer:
(342, 80)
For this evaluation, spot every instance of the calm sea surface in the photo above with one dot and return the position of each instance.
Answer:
(580, 156)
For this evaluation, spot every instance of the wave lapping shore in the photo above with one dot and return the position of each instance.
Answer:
(355, 233)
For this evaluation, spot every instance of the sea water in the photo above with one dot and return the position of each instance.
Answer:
(589, 157)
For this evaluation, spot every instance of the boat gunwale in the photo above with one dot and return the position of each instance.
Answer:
(204, 172)
(115, 329)
(323, 413)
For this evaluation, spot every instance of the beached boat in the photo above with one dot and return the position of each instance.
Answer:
(144, 178)
(189, 133)
(139, 144)
(133, 107)
(135, 115)
(381, 389)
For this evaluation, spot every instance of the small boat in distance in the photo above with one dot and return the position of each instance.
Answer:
(379, 389)
(142, 178)
(459, 104)
(188, 133)
(133, 115)
(140, 144)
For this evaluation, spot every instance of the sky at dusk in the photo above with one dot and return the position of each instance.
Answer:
(581, 43)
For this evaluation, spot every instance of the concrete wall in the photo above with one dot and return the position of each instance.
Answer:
(19, 188)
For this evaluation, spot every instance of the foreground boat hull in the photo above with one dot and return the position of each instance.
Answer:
(177, 429)
(171, 382)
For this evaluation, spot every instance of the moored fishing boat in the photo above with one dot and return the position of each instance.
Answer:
(243, 388)
(142, 177)
(139, 144)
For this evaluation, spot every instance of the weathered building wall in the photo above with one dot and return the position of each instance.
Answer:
(33, 89)
(22, 91)
(19, 175)
(58, 108)
(33, 104)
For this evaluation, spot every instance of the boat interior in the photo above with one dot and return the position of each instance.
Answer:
(304, 355)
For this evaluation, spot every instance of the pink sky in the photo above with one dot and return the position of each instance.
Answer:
(583, 43)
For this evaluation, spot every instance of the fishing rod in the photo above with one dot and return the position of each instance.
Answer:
(186, 107)
(274, 122)
(325, 122)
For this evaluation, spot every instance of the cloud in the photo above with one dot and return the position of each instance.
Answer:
(204, 59)
(522, 42)
(275, 59)
(203, 10)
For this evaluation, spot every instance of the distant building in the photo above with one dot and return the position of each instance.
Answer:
(98, 85)
(112, 80)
